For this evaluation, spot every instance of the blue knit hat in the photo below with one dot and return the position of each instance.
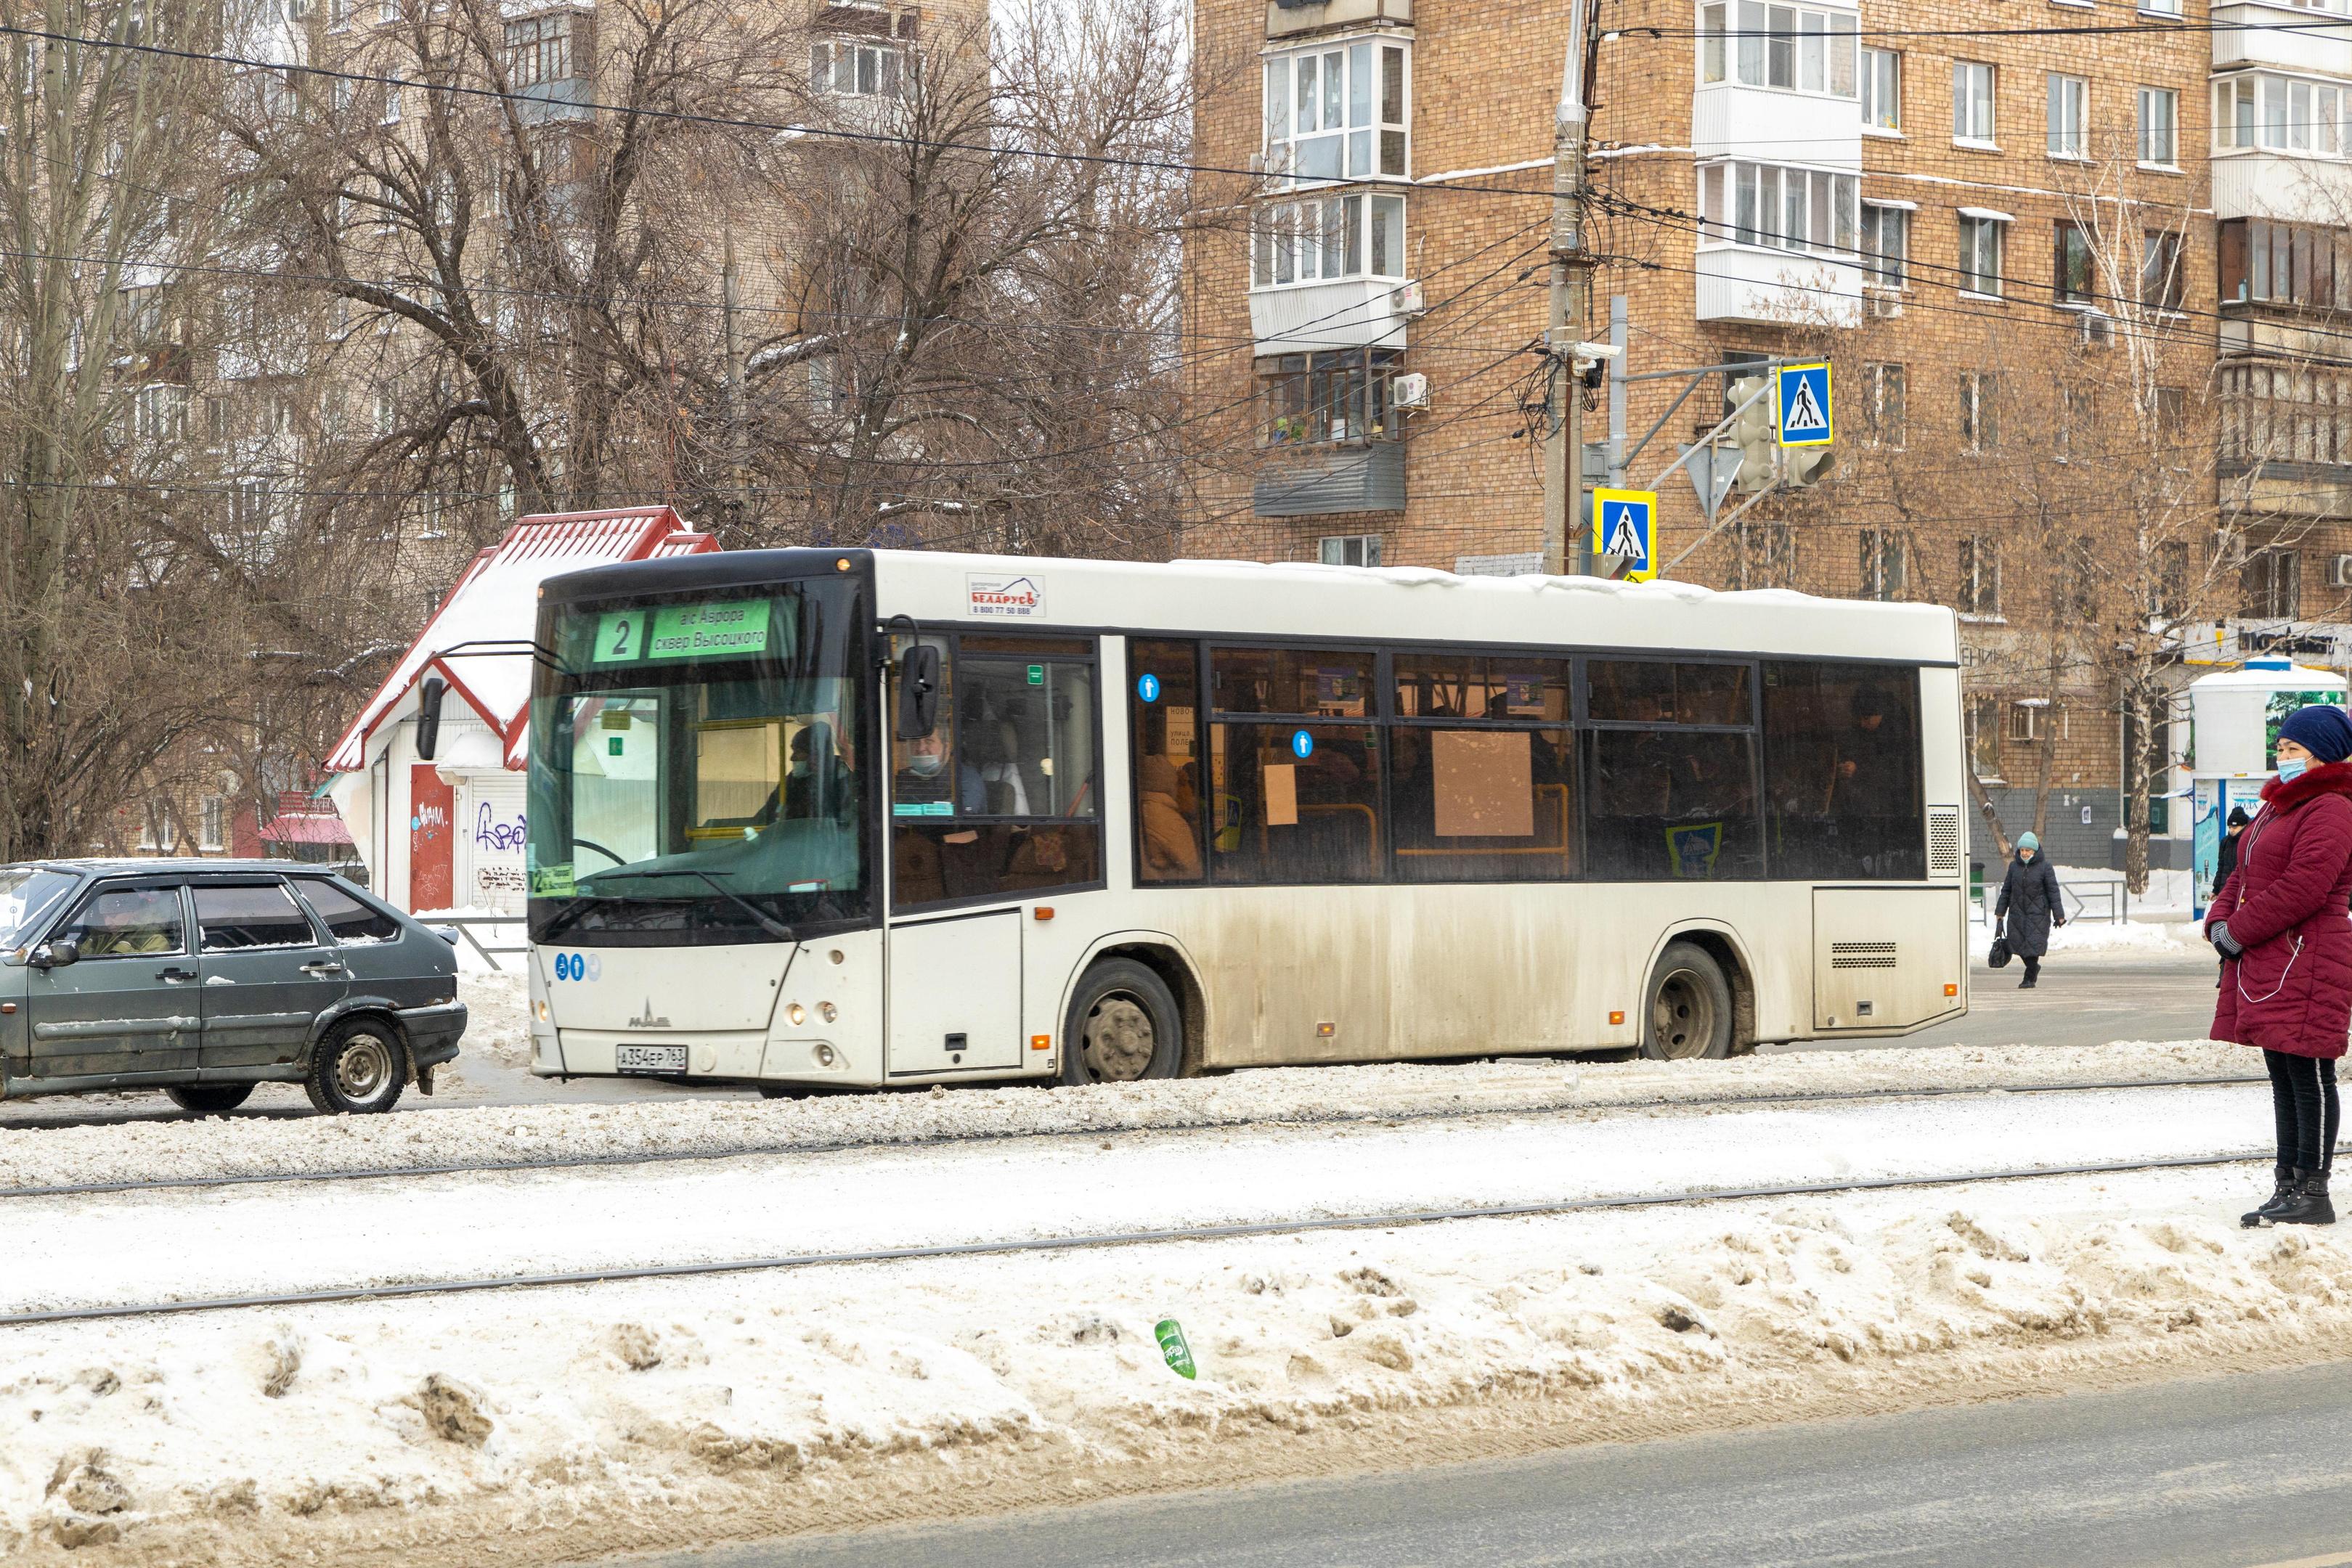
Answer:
(2028, 841)
(2321, 729)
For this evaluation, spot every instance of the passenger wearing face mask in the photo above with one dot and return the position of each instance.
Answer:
(2280, 925)
(924, 779)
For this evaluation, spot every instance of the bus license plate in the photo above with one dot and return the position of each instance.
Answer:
(649, 1059)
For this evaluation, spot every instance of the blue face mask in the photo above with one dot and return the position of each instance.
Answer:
(2291, 767)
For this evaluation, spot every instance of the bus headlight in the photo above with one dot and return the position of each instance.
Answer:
(539, 1010)
(827, 1011)
(795, 1015)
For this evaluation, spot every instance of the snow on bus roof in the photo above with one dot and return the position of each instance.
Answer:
(495, 600)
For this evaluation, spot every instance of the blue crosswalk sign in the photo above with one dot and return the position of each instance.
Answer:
(1805, 406)
(1624, 524)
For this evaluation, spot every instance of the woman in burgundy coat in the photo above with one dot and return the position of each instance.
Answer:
(2286, 940)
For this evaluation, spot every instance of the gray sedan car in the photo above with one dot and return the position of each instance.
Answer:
(203, 978)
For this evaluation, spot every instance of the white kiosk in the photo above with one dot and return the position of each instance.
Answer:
(2234, 717)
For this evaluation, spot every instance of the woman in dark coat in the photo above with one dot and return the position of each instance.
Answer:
(2029, 897)
(2286, 941)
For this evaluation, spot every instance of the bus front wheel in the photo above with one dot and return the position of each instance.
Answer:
(1124, 1025)
(1689, 1012)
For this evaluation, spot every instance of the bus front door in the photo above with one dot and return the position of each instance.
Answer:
(955, 994)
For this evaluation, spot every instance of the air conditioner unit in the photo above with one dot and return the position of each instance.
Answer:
(1883, 307)
(2339, 572)
(1407, 299)
(2097, 328)
(1412, 390)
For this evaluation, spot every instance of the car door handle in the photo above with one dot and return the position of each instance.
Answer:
(324, 967)
(176, 977)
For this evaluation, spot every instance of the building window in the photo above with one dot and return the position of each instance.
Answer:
(2272, 584)
(2167, 588)
(1336, 396)
(2280, 114)
(1980, 253)
(1979, 578)
(1350, 550)
(1885, 392)
(1325, 238)
(2070, 266)
(2282, 263)
(2030, 718)
(160, 414)
(1881, 89)
(2159, 270)
(1980, 415)
(539, 50)
(216, 823)
(2159, 125)
(848, 68)
(1340, 113)
(1972, 102)
(1776, 553)
(2070, 102)
(390, 106)
(1886, 244)
(1984, 737)
(2075, 411)
(1886, 563)
(1793, 47)
(1779, 209)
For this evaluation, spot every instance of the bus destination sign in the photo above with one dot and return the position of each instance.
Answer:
(716, 631)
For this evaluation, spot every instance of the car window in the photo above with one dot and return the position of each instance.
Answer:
(347, 918)
(127, 922)
(235, 918)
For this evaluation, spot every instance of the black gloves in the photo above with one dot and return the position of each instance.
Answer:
(2220, 938)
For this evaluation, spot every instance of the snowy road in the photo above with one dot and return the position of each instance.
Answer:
(167, 1245)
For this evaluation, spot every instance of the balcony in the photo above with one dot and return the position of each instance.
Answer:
(1777, 288)
(1286, 18)
(1321, 481)
(1765, 125)
(552, 102)
(1346, 313)
(2241, 37)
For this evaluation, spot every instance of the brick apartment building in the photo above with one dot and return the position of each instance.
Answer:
(2046, 264)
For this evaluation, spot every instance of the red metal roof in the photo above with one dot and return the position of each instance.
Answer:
(309, 827)
(495, 601)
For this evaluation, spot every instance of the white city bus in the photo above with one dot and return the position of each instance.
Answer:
(813, 817)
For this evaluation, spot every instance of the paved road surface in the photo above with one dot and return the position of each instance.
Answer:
(2214, 1473)
(2086, 1000)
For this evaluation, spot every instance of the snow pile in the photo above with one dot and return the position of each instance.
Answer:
(475, 1136)
(2153, 938)
(550, 1425)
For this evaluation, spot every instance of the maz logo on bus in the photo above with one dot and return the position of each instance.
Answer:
(579, 966)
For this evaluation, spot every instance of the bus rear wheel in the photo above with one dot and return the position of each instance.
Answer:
(1690, 1013)
(1123, 1027)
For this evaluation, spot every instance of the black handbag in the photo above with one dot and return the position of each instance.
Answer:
(1996, 957)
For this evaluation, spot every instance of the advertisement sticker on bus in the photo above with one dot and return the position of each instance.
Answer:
(1002, 596)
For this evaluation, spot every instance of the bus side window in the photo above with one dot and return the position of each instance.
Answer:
(1671, 772)
(1842, 772)
(1164, 738)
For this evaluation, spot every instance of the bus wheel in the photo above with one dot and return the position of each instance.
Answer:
(1123, 1027)
(1690, 1013)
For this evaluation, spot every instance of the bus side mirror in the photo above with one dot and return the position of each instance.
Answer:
(918, 692)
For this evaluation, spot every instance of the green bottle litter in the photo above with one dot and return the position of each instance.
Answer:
(1173, 1346)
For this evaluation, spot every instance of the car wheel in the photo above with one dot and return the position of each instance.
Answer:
(1688, 1016)
(209, 1099)
(360, 1067)
(1124, 1027)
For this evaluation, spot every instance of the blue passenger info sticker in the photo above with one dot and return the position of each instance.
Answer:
(1147, 688)
(1302, 746)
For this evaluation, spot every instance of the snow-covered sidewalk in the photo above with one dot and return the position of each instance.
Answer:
(135, 1248)
(554, 1426)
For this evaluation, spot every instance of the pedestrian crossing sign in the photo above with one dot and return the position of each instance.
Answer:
(1624, 524)
(1804, 406)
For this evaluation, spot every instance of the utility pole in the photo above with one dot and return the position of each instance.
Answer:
(735, 413)
(1563, 400)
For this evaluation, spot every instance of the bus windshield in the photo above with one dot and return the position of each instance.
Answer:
(693, 771)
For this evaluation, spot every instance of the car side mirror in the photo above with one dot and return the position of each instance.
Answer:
(918, 692)
(55, 955)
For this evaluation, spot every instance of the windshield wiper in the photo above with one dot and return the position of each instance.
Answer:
(774, 928)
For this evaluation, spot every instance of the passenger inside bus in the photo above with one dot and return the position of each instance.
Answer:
(1171, 851)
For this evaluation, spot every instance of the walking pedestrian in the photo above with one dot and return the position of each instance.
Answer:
(2029, 898)
(2280, 925)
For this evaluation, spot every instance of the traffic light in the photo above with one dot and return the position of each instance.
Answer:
(1807, 464)
(1752, 432)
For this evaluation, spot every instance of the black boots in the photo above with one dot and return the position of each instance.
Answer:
(2282, 1188)
(2301, 1200)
